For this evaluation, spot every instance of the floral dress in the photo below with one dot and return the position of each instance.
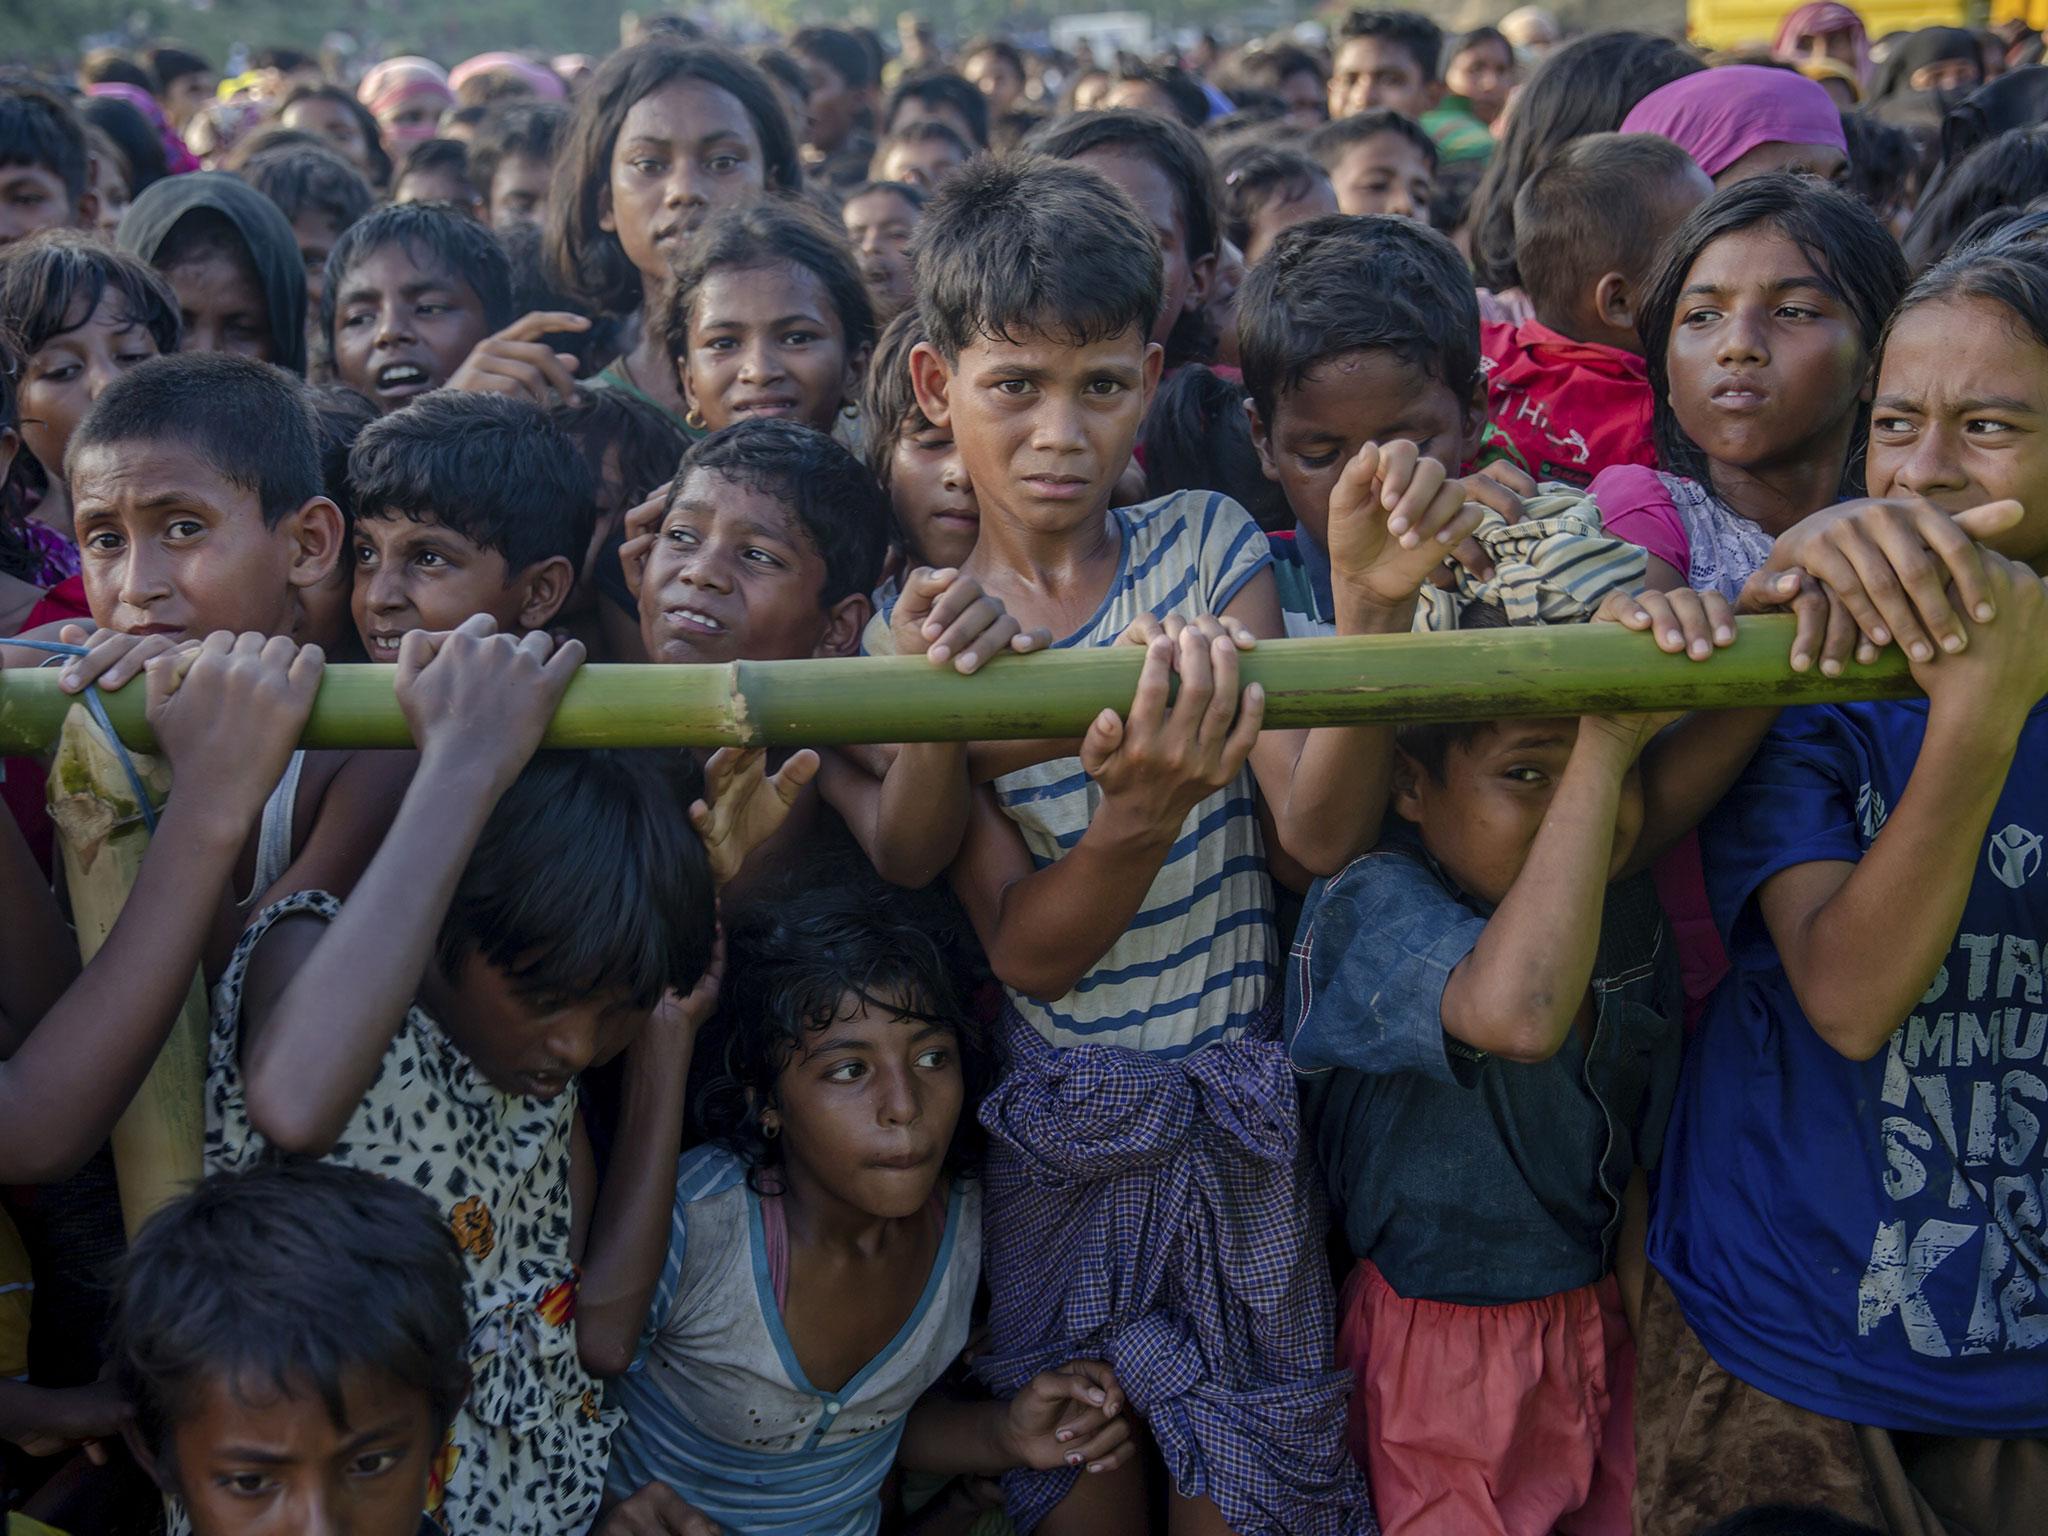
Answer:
(526, 1455)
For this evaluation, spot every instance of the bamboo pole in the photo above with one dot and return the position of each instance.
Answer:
(99, 823)
(1487, 674)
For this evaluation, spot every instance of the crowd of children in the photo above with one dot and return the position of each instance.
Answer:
(1629, 1123)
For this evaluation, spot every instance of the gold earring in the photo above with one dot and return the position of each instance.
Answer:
(695, 422)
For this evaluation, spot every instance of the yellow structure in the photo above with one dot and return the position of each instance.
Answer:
(1734, 23)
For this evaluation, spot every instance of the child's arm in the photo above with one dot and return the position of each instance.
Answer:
(1860, 941)
(38, 956)
(1071, 1417)
(323, 1000)
(1044, 929)
(228, 722)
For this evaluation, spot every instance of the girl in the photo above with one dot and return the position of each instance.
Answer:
(1743, 120)
(664, 134)
(332, 115)
(767, 317)
(917, 463)
(1825, 29)
(1481, 73)
(826, 1243)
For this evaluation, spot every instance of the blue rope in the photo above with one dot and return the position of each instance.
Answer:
(98, 707)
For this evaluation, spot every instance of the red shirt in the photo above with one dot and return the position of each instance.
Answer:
(1572, 407)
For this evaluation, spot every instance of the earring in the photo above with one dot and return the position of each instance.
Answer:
(770, 1129)
(695, 422)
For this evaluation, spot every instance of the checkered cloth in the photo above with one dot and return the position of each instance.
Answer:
(1161, 1215)
(1552, 567)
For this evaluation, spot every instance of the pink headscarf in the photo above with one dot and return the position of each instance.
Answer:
(1719, 115)
(547, 85)
(1823, 18)
(177, 158)
(390, 85)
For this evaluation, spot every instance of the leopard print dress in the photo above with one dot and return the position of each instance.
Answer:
(526, 1455)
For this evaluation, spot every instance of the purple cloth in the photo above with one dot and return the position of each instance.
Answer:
(177, 158)
(1823, 18)
(58, 554)
(1164, 1216)
(1719, 115)
(547, 85)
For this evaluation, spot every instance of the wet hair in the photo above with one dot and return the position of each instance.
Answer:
(840, 51)
(586, 881)
(1270, 67)
(1023, 243)
(1352, 284)
(2006, 172)
(1884, 166)
(1849, 248)
(528, 129)
(1587, 86)
(1177, 153)
(437, 157)
(1411, 31)
(1190, 102)
(1582, 214)
(251, 422)
(171, 63)
(110, 66)
(493, 468)
(38, 129)
(1258, 176)
(303, 179)
(941, 88)
(926, 132)
(534, 291)
(339, 415)
(1196, 438)
(1330, 143)
(2009, 268)
(140, 149)
(380, 162)
(793, 963)
(770, 232)
(587, 260)
(439, 237)
(53, 281)
(632, 440)
(889, 405)
(288, 1276)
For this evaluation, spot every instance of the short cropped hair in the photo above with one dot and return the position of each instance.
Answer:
(436, 157)
(307, 178)
(836, 501)
(1023, 243)
(1258, 175)
(929, 131)
(52, 282)
(38, 129)
(1174, 149)
(339, 415)
(533, 129)
(495, 469)
(942, 88)
(771, 232)
(251, 422)
(110, 66)
(435, 235)
(1329, 143)
(586, 881)
(841, 51)
(1581, 214)
(1351, 284)
(1190, 102)
(290, 1275)
(1413, 32)
(625, 439)
(1270, 67)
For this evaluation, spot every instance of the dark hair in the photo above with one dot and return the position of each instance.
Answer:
(52, 282)
(1182, 90)
(1351, 284)
(1196, 438)
(1583, 213)
(782, 66)
(1257, 175)
(2008, 171)
(141, 150)
(435, 235)
(1271, 66)
(1329, 143)
(290, 1274)
(534, 291)
(1422, 38)
(431, 157)
(252, 423)
(472, 117)
(1884, 166)
(1177, 153)
(591, 262)
(284, 60)
(110, 66)
(1479, 37)
(1587, 86)
(494, 469)
(2012, 271)
(38, 129)
(926, 132)
(529, 129)
(1002, 48)
(493, 87)
(917, 197)
(586, 880)
(380, 162)
(941, 88)
(634, 440)
(170, 63)
(841, 52)
(310, 179)
(339, 415)
(17, 558)
(1020, 242)
(888, 404)
(1840, 236)
(268, 140)
(792, 964)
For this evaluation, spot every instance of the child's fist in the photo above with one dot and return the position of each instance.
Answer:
(1395, 517)
(948, 617)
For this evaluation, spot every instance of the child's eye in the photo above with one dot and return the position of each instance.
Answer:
(365, 556)
(938, 1056)
(1102, 389)
(247, 1485)
(130, 359)
(1317, 460)
(186, 528)
(1699, 317)
(426, 559)
(723, 164)
(62, 374)
(1896, 424)
(1525, 775)
(799, 338)
(1980, 427)
(374, 1463)
(720, 344)
(1797, 312)
(103, 543)
(359, 317)
(762, 557)
(847, 1072)
(1014, 387)
(681, 536)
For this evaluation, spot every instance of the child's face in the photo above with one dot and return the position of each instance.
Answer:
(518, 193)
(997, 79)
(1386, 173)
(926, 164)
(1479, 822)
(531, 1047)
(832, 106)
(424, 575)
(1961, 416)
(1186, 274)
(1307, 100)
(734, 576)
(1043, 427)
(111, 188)
(1379, 72)
(880, 225)
(1766, 362)
(910, 112)
(223, 305)
(169, 546)
(402, 327)
(1347, 401)
(682, 151)
(437, 186)
(1283, 213)
(767, 343)
(868, 1107)
(61, 378)
(315, 232)
(333, 122)
(1483, 74)
(932, 496)
(253, 1461)
(34, 198)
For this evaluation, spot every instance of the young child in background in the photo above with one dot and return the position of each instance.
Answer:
(1569, 386)
(631, 449)
(322, 195)
(437, 171)
(232, 259)
(880, 219)
(915, 462)
(922, 155)
(512, 162)
(46, 182)
(465, 504)
(339, 417)
(294, 1340)
(1268, 189)
(1378, 162)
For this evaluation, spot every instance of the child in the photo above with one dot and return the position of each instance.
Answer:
(1745, 120)
(406, 95)
(1378, 162)
(45, 171)
(839, 108)
(1196, 438)
(465, 504)
(923, 155)
(1386, 60)
(332, 115)
(915, 462)
(1268, 189)
(520, 922)
(339, 416)
(938, 96)
(322, 195)
(437, 171)
(840, 1101)
(1480, 74)
(996, 68)
(768, 318)
(512, 161)
(294, 1341)
(631, 449)
(232, 259)
(880, 219)
(1568, 387)
(663, 134)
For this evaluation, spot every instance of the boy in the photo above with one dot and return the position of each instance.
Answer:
(512, 161)
(1378, 162)
(1386, 59)
(437, 171)
(184, 83)
(923, 155)
(938, 97)
(1568, 387)
(995, 67)
(880, 219)
(465, 504)
(840, 108)
(45, 170)
(322, 195)
(295, 1342)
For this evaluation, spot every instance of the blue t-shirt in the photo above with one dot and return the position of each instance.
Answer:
(1866, 1239)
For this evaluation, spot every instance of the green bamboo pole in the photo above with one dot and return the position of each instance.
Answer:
(1487, 674)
